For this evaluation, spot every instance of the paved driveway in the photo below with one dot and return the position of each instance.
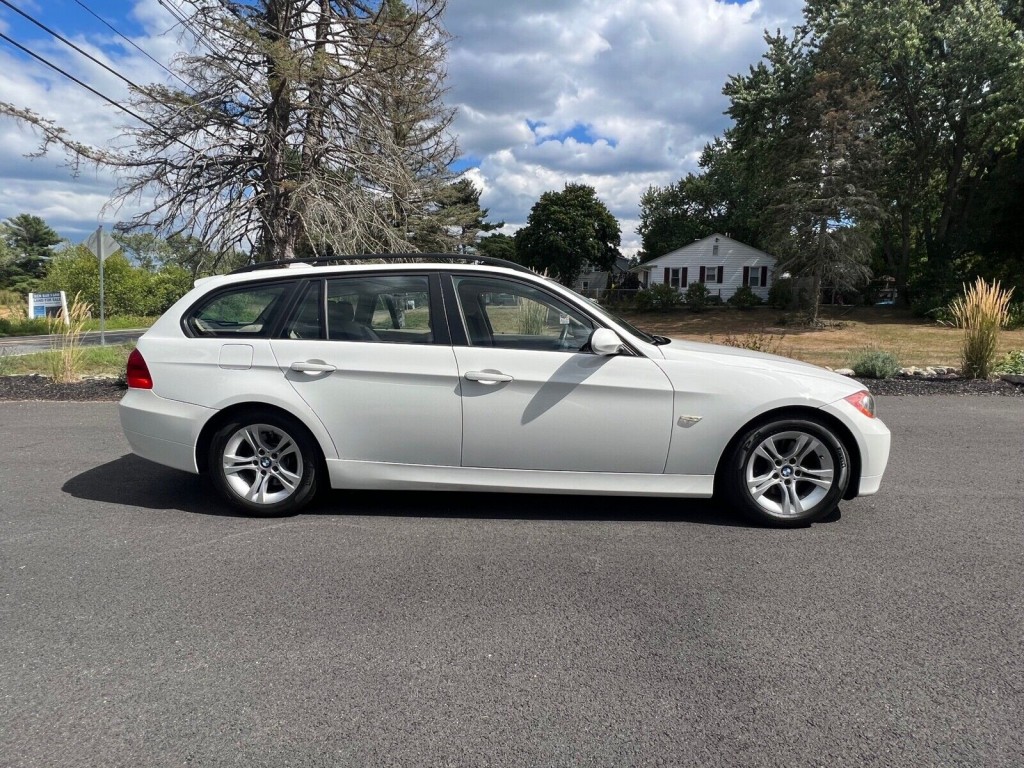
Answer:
(143, 627)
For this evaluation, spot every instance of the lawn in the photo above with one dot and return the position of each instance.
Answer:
(915, 341)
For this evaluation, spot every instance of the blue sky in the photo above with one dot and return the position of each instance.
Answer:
(618, 94)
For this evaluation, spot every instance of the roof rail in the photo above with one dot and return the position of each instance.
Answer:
(412, 258)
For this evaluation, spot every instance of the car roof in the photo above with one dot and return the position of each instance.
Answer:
(391, 262)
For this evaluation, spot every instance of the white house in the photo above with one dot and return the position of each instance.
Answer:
(721, 263)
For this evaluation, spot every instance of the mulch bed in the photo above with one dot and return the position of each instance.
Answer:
(105, 389)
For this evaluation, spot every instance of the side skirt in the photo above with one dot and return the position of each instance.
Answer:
(380, 476)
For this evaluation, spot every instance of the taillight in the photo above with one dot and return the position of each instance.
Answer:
(138, 372)
(863, 402)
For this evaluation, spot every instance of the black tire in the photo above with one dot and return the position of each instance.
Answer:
(778, 471)
(264, 463)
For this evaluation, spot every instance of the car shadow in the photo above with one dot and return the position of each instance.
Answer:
(136, 482)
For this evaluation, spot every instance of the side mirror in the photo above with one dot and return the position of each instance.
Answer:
(605, 342)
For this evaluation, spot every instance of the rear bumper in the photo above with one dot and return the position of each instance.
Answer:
(161, 430)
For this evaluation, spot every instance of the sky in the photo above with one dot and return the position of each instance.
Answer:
(616, 94)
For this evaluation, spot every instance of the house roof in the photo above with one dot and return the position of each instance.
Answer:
(656, 262)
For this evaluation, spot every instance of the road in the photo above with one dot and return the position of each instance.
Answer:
(143, 626)
(24, 345)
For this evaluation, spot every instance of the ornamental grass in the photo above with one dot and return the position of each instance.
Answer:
(981, 312)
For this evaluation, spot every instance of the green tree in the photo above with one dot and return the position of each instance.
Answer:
(949, 76)
(798, 108)
(30, 242)
(498, 246)
(567, 232)
(454, 220)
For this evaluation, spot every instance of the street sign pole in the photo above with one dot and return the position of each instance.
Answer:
(102, 245)
(103, 321)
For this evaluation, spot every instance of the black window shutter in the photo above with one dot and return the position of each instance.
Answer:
(721, 274)
(764, 276)
(703, 273)
(682, 278)
(668, 275)
(746, 275)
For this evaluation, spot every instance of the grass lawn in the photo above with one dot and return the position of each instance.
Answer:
(915, 341)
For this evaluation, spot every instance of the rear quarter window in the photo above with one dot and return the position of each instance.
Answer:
(246, 310)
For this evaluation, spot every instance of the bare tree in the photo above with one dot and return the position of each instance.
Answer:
(313, 122)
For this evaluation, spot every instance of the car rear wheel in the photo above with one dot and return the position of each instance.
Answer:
(264, 464)
(787, 473)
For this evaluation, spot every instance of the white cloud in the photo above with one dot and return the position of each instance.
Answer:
(628, 92)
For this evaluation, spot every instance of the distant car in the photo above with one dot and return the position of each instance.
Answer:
(279, 381)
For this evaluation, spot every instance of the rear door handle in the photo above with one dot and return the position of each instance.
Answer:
(313, 366)
(488, 377)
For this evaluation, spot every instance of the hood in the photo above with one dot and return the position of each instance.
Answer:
(737, 357)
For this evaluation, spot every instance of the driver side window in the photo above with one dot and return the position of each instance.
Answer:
(512, 315)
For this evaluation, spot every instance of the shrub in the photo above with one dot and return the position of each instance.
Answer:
(744, 298)
(22, 327)
(981, 312)
(660, 298)
(1014, 316)
(780, 295)
(698, 297)
(874, 364)
(1011, 362)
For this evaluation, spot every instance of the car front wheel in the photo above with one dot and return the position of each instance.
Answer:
(787, 473)
(264, 464)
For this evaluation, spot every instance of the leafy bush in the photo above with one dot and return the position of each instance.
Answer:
(698, 297)
(658, 298)
(1014, 316)
(874, 364)
(128, 290)
(780, 295)
(37, 326)
(744, 298)
(1011, 362)
(981, 312)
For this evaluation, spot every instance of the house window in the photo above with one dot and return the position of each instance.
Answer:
(714, 249)
(712, 274)
(755, 277)
(586, 285)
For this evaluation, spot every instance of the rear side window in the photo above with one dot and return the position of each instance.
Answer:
(243, 311)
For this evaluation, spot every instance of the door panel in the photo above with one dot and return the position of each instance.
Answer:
(381, 402)
(384, 390)
(563, 411)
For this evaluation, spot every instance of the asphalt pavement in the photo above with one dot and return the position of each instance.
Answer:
(144, 626)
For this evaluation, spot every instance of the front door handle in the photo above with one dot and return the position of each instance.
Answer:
(488, 377)
(313, 366)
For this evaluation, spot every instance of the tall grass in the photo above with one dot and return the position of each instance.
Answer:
(530, 318)
(982, 311)
(66, 354)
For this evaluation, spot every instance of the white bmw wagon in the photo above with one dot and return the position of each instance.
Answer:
(450, 372)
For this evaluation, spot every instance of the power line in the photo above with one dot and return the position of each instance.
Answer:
(89, 88)
(134, 45)
(69, 43)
